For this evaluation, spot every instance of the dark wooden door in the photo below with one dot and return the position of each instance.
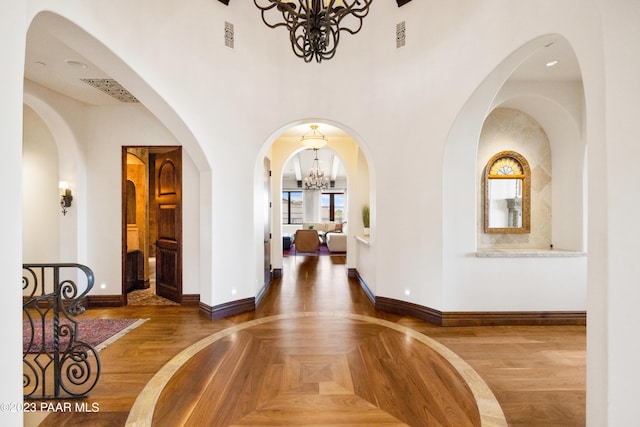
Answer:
(168, 179)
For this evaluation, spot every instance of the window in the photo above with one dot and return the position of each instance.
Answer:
(292, 211)
(333, 207)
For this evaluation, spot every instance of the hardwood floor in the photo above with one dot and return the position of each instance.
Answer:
(272, 367)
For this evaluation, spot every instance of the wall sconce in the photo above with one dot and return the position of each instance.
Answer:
(65, 197)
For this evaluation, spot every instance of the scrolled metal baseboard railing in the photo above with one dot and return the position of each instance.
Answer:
(56, 364)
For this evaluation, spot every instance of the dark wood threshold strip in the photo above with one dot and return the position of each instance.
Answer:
(102, 301)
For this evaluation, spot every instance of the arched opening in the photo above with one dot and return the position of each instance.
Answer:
(337, 206)
(60, 56)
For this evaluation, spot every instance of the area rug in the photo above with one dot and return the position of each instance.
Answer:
(99, 333)
(147, 297)
(323, 251)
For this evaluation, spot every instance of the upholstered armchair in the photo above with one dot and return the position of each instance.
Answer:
(336, 242)
(306, 241)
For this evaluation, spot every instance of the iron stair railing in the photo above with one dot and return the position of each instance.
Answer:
(56, 364)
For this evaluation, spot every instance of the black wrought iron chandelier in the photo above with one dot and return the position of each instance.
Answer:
(315, 25)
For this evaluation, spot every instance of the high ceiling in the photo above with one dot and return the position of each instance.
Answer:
(52, 63)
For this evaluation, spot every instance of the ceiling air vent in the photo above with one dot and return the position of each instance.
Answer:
(112, 88)
(228, 35)
(401, 34)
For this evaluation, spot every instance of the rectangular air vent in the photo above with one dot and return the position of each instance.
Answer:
(228, 34)
(112, 88)
(400, 34)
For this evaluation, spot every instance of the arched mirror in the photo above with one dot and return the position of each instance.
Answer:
(506, 194)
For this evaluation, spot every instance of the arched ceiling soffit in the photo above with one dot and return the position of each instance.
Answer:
(66, 59)
(300, 161)
(521, 67)
(547, 86)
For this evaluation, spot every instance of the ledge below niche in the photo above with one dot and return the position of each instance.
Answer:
(364, 240)
(529, 253)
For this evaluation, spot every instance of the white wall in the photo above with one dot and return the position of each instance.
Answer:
(613, 178)
(13, 21)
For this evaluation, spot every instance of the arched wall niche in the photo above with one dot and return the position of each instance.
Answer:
(137, 203)
(40, 193)
(508, 129)
(469, 274)
(71, 168)
(132, 206)
(558, 109)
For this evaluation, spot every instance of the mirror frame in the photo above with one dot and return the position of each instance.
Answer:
(526, 194)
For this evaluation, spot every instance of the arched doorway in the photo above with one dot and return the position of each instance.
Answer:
(341, 203)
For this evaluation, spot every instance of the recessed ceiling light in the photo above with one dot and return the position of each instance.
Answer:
(551, 63)
(40, 64)
(76, 64)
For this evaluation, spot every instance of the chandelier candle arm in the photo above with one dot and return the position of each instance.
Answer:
(315, 25)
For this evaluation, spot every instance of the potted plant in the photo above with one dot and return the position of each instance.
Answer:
(365, 219)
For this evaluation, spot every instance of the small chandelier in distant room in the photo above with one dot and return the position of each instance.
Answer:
(315, 25)
(316, 179)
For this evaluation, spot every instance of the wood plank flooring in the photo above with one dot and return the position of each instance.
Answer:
(253, 376)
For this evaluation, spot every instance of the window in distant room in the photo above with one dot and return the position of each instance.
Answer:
(292, 212)
(333, 207)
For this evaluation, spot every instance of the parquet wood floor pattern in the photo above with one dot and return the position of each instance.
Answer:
(334, 371)
(294, 371)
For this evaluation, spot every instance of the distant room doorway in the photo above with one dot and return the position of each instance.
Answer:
(152, 223)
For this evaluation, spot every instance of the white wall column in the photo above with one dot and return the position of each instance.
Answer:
(13, 21)
(312, 205)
